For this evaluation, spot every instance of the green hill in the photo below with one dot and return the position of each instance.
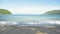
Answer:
(4, 11)
(53, 12)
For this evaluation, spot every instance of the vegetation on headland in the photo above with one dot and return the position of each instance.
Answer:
(53, 12)
(4, 11)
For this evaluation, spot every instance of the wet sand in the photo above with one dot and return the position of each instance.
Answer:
(28, 30)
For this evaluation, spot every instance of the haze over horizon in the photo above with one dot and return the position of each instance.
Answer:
(29, 6)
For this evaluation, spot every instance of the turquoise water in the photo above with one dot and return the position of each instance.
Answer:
(19, 17)
(28, 20)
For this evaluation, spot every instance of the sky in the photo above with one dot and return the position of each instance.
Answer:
(29, 6)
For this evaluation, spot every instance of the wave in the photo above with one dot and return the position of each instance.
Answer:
(29, 23)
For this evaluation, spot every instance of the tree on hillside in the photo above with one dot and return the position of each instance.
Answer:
(4, 11)
(53, 12)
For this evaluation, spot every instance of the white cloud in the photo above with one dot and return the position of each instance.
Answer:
(31, 10)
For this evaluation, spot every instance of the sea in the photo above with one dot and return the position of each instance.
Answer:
(21, 19)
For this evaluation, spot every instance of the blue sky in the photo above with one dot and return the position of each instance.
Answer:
(30, 6)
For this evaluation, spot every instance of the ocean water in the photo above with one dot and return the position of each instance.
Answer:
(28, 19)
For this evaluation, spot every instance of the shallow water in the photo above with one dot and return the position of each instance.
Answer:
(29, 19)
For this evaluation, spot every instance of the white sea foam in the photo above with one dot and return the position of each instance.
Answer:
(31, 22)
(8, 22)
